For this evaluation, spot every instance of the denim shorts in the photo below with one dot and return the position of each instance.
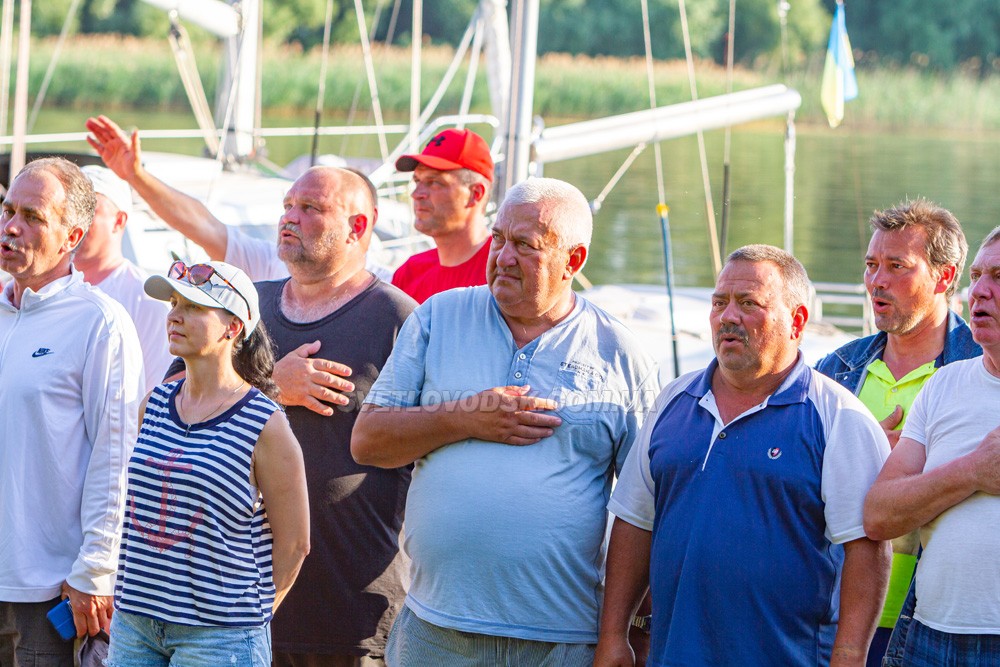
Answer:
(414, 642)
(138, 641)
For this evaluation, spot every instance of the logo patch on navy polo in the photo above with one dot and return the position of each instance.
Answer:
(774, 453)
(41, 352)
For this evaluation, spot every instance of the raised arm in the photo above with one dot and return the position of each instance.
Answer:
(122, 154)
(279, 473)
(904, 497)
(392, 437)
(626, 582)
(862, 594)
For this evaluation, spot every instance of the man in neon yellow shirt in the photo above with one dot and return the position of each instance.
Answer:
(912, 269)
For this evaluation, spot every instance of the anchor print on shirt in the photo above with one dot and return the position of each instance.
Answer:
(156, 534)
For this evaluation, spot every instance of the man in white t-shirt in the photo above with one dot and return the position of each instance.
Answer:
(100, 259)
(944, 478)
(257, 257)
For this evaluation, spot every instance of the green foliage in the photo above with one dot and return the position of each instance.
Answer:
(927, 33)
(445, 21)
(614, 27)
(47, 17)
(922, 33)
(129, 17)
(104, 74)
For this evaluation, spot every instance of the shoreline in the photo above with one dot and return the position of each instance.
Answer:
(114, 73)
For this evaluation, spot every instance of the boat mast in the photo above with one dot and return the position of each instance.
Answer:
(236, 104)
(238, 24)
(517, 128)
(416, 43)
(17, 151)
(496, 38)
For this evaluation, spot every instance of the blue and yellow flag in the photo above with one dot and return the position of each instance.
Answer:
(839, 84)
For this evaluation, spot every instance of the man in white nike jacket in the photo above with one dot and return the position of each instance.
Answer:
(70, 382)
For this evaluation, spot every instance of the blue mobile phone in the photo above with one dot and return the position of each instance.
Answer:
(61, 618)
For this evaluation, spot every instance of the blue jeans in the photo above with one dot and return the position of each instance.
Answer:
(138, 641)
(926, 647)
(897, 641)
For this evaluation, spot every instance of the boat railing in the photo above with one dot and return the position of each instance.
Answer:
(852, 308)
(384, 172)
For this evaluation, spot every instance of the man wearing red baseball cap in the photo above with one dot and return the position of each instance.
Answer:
(452, 176)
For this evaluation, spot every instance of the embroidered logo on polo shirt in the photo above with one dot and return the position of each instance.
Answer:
(773, 453)
(41, 352)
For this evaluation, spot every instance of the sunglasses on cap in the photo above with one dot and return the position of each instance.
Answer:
(200, 274)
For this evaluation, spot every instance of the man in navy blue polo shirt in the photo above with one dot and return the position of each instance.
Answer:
(737, 491)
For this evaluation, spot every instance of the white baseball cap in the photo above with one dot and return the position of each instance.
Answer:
(213, 284)
(106, 183)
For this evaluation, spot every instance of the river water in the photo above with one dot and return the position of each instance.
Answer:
(841, 177)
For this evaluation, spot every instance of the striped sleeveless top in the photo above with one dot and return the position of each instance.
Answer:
(196, 544)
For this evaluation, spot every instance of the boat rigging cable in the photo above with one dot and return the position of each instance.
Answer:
(386, 44)
(726, 173)
(366, 51)
(450, 73)
(70, 13)
(6, 39)
(321, 88)
(662, 210)
(184, 56)
(713, 236)
(470, 77)
(416, 54)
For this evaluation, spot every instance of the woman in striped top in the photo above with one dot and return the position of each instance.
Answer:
(217, 522)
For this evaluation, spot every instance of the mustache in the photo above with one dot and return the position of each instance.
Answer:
(882, 295)
(10, 242)
(733, 330)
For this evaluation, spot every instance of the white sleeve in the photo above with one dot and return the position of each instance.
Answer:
(111, 395)
(634, 496)
(856, 448)
(257, 257)
(915, 427)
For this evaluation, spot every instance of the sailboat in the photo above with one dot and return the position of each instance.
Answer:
(242, 189)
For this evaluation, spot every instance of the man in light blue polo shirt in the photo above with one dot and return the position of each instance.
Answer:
(743, 480)
(517, 403)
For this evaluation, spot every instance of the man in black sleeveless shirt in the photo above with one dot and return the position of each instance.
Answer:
(353, 582)
(333, 325)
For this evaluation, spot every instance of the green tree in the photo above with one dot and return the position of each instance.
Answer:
(614, 27)
(926, 33)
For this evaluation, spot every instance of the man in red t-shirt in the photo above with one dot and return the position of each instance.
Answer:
(452, 176)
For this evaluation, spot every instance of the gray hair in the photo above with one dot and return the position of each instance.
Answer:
(81, 202)
(946, 244)
(991, 238)
(468, 178)
(794, 278)
(570, 218)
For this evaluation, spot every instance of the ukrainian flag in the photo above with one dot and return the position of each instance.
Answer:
(839, 84)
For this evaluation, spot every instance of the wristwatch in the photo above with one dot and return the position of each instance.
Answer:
(642, 622)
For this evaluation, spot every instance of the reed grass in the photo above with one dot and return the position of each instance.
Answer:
(109, 73)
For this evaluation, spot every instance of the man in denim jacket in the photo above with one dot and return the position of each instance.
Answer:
(912, 271)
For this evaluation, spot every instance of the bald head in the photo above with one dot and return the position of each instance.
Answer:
(328, 220)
